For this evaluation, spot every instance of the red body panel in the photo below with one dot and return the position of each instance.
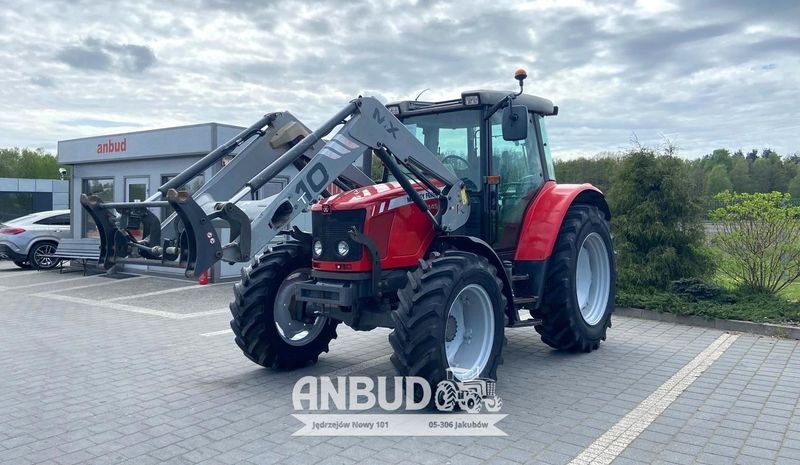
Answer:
(401, 232)
(543, 219)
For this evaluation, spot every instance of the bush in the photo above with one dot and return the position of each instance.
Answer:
(694, 290)
(657, 222)
(759, 239)
(760, 308)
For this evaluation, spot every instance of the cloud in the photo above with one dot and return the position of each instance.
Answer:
(43, 81)
(706, 72)
(100, 55)
(82, 57)
(99, 123)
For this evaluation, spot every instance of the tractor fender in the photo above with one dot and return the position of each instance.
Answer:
(479, 247)
(544, 216)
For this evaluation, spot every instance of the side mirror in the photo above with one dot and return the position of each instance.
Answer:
(515, 122)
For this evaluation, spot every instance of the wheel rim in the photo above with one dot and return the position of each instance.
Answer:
(42, 255)
(294, 332)
(592, 279)
(469, 332)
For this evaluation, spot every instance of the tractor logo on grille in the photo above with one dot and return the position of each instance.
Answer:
(470, 396)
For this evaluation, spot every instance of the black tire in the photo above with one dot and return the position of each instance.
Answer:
(23, 265)
(253, 320)
(43, 263)
(418, 337)
(563, 326)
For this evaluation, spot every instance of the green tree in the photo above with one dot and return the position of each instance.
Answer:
(720, 157)
(718, 181)
(27, 163)
(657, 222)
(759, 237)
(597, 170)
(794, 187)
(740, 176)
(697, 175)
(768, 174)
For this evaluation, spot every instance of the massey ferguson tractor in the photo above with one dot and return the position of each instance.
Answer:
(467, 234)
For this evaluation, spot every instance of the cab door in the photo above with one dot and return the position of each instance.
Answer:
(519, 166)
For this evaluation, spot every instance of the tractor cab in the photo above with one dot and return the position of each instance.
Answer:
(501, 176)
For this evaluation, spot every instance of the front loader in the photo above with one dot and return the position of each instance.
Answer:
(468, 233)
(189, 238)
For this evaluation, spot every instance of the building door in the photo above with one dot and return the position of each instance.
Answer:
(137, 189)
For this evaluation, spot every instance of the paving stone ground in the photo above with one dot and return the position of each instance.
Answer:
(146, 380)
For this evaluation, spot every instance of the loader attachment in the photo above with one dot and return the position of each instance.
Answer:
(196, 249)
(190, 237)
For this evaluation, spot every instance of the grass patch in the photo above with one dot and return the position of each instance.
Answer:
(756, 308)
(791, 292)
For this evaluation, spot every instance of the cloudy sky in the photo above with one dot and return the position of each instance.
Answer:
(702, 73)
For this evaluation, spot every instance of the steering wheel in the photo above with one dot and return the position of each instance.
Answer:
(460, 160)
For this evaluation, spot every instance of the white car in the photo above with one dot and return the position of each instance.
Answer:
(31, 240)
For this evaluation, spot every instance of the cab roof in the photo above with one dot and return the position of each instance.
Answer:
(486, 97)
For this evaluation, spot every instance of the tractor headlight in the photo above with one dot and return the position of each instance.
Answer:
(343, 248)
(317, 248)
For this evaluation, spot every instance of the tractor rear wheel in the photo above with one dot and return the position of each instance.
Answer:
(580, 283)
(263, 318)
(450, 317)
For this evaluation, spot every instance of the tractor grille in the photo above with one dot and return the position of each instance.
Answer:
(330, 228)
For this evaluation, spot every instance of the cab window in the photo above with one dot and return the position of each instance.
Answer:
(454, 137)
(548, 157)
(519, 165)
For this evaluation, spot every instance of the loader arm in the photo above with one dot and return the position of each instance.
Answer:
(370, 127)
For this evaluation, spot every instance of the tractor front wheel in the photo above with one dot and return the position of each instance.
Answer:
(264, 311)
(450, 317)
(580, 283)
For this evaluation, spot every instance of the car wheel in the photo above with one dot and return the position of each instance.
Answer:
(41, 256)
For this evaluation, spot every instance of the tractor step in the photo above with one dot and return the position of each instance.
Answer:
(528, 322)
(520, 277)
(525, 300)
(520, 303)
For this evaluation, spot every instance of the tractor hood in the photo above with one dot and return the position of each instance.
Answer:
(362, 197)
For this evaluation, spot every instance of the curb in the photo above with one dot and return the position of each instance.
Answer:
(762, 329)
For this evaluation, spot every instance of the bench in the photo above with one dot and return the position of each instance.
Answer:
(82, 250)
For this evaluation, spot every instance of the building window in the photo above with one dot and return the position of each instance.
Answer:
(16, 204)
(103, 188)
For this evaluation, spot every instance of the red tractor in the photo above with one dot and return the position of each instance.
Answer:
(467, 230)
